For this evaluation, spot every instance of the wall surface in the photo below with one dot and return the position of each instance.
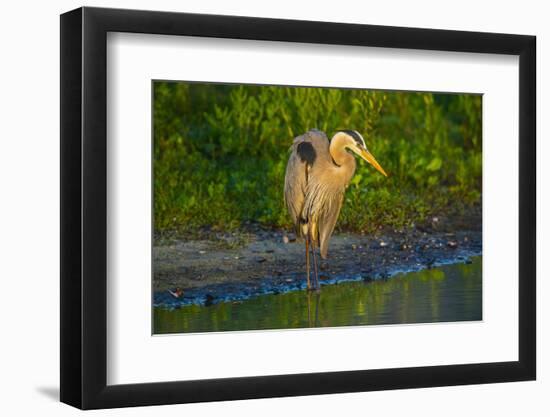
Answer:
(29, 168)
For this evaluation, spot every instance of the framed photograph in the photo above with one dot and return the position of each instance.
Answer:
(257, 208)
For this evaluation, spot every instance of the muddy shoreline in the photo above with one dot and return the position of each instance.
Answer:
(218, 267)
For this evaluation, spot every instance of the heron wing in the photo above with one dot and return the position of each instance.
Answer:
(323, 201)
(327, 219)
(295, 184)
(306, 151)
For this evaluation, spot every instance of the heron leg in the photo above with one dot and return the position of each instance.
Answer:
(316, 272)
(307, 262)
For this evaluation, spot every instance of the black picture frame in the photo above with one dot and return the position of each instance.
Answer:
(84, 207)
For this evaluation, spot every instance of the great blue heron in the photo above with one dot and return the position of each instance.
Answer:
(317, 175)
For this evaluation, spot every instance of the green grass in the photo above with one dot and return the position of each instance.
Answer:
(220, 153)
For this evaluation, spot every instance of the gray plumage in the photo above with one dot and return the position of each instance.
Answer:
(317, 175)
(314, 190)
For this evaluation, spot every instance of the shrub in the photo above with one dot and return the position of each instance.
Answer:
(220, 152)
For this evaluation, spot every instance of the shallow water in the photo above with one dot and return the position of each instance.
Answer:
(443, 294)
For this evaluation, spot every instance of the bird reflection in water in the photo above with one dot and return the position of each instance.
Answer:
(313, 320)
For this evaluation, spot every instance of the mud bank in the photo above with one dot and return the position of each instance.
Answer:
(238, 267)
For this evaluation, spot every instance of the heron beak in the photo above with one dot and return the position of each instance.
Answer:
(367, 156)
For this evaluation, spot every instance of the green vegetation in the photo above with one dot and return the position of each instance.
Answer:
(220, 153)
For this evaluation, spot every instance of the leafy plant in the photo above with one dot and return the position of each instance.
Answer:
(220, 152)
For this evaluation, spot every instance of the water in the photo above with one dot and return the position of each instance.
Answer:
(447, 293)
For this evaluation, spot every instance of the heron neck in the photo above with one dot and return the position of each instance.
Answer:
(343, 159)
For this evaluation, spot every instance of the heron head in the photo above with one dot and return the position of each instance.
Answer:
(355, 143)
